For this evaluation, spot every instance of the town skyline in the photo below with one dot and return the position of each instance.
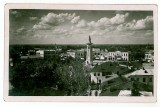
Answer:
(75, 26)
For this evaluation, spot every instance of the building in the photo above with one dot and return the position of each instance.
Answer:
(144, 75)
(31, 52)
(71, 54)
(110, 56)
(89, 55)
(107, 71)
(149, 56)
(129, 93)
(80, 54)
(50, 53)
(40, 52)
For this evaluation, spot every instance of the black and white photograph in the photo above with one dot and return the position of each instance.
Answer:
(87, 52)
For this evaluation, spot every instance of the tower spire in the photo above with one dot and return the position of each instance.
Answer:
(89, 39)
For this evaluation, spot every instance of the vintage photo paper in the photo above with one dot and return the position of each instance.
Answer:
(89, 53)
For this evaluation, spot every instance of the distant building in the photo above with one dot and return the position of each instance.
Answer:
(31, 52)
(40, 52)
(71, 53)
(50, 53)
(149, 56)
(80, 54)
(110, 56)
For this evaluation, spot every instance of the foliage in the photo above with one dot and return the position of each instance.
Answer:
(35, 75)
(73, 79)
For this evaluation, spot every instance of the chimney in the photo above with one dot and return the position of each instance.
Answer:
(145, 71)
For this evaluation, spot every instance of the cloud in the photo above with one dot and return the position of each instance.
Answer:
(59, 31)
(81, 24)
(75, 19)
(105, 22)
(33, 18)
(142, 24)
(23, 31)
(119, 12)
(15, 13)
(42, 26)
(149, 33)
(52, 20)
(119, 18)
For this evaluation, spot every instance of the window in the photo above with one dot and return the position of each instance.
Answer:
(150, 80)
(96, 93)
(98, 74)
(99, 81)
(144, 79)
(103, 74)
(137, 79)
(94, 74)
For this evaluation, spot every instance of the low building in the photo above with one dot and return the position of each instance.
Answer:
(144, 75)
(71, 53)
(149, 56)
(106, 71)
(40, 52)
(31, 52)
(80, 53)
(50, 53)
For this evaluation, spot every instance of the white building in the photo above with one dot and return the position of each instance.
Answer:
(71, 53)
(89, 55)
(149, 56)
(40, 52)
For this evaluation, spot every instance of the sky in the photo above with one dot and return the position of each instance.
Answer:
(74, 26)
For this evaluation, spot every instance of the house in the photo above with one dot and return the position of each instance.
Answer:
(40, 52)
(149, 56)
(144, 75)
(71, 53)
(80, 53)
(106, 71)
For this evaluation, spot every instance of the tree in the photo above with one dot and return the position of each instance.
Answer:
(33, 74)
(73, 78)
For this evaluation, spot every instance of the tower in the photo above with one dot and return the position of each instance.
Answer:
(89, 52)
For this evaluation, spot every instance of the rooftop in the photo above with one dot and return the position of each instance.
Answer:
(109, 67)
(31, 57)
(128, 93)
(142, 72)
(148, 65)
